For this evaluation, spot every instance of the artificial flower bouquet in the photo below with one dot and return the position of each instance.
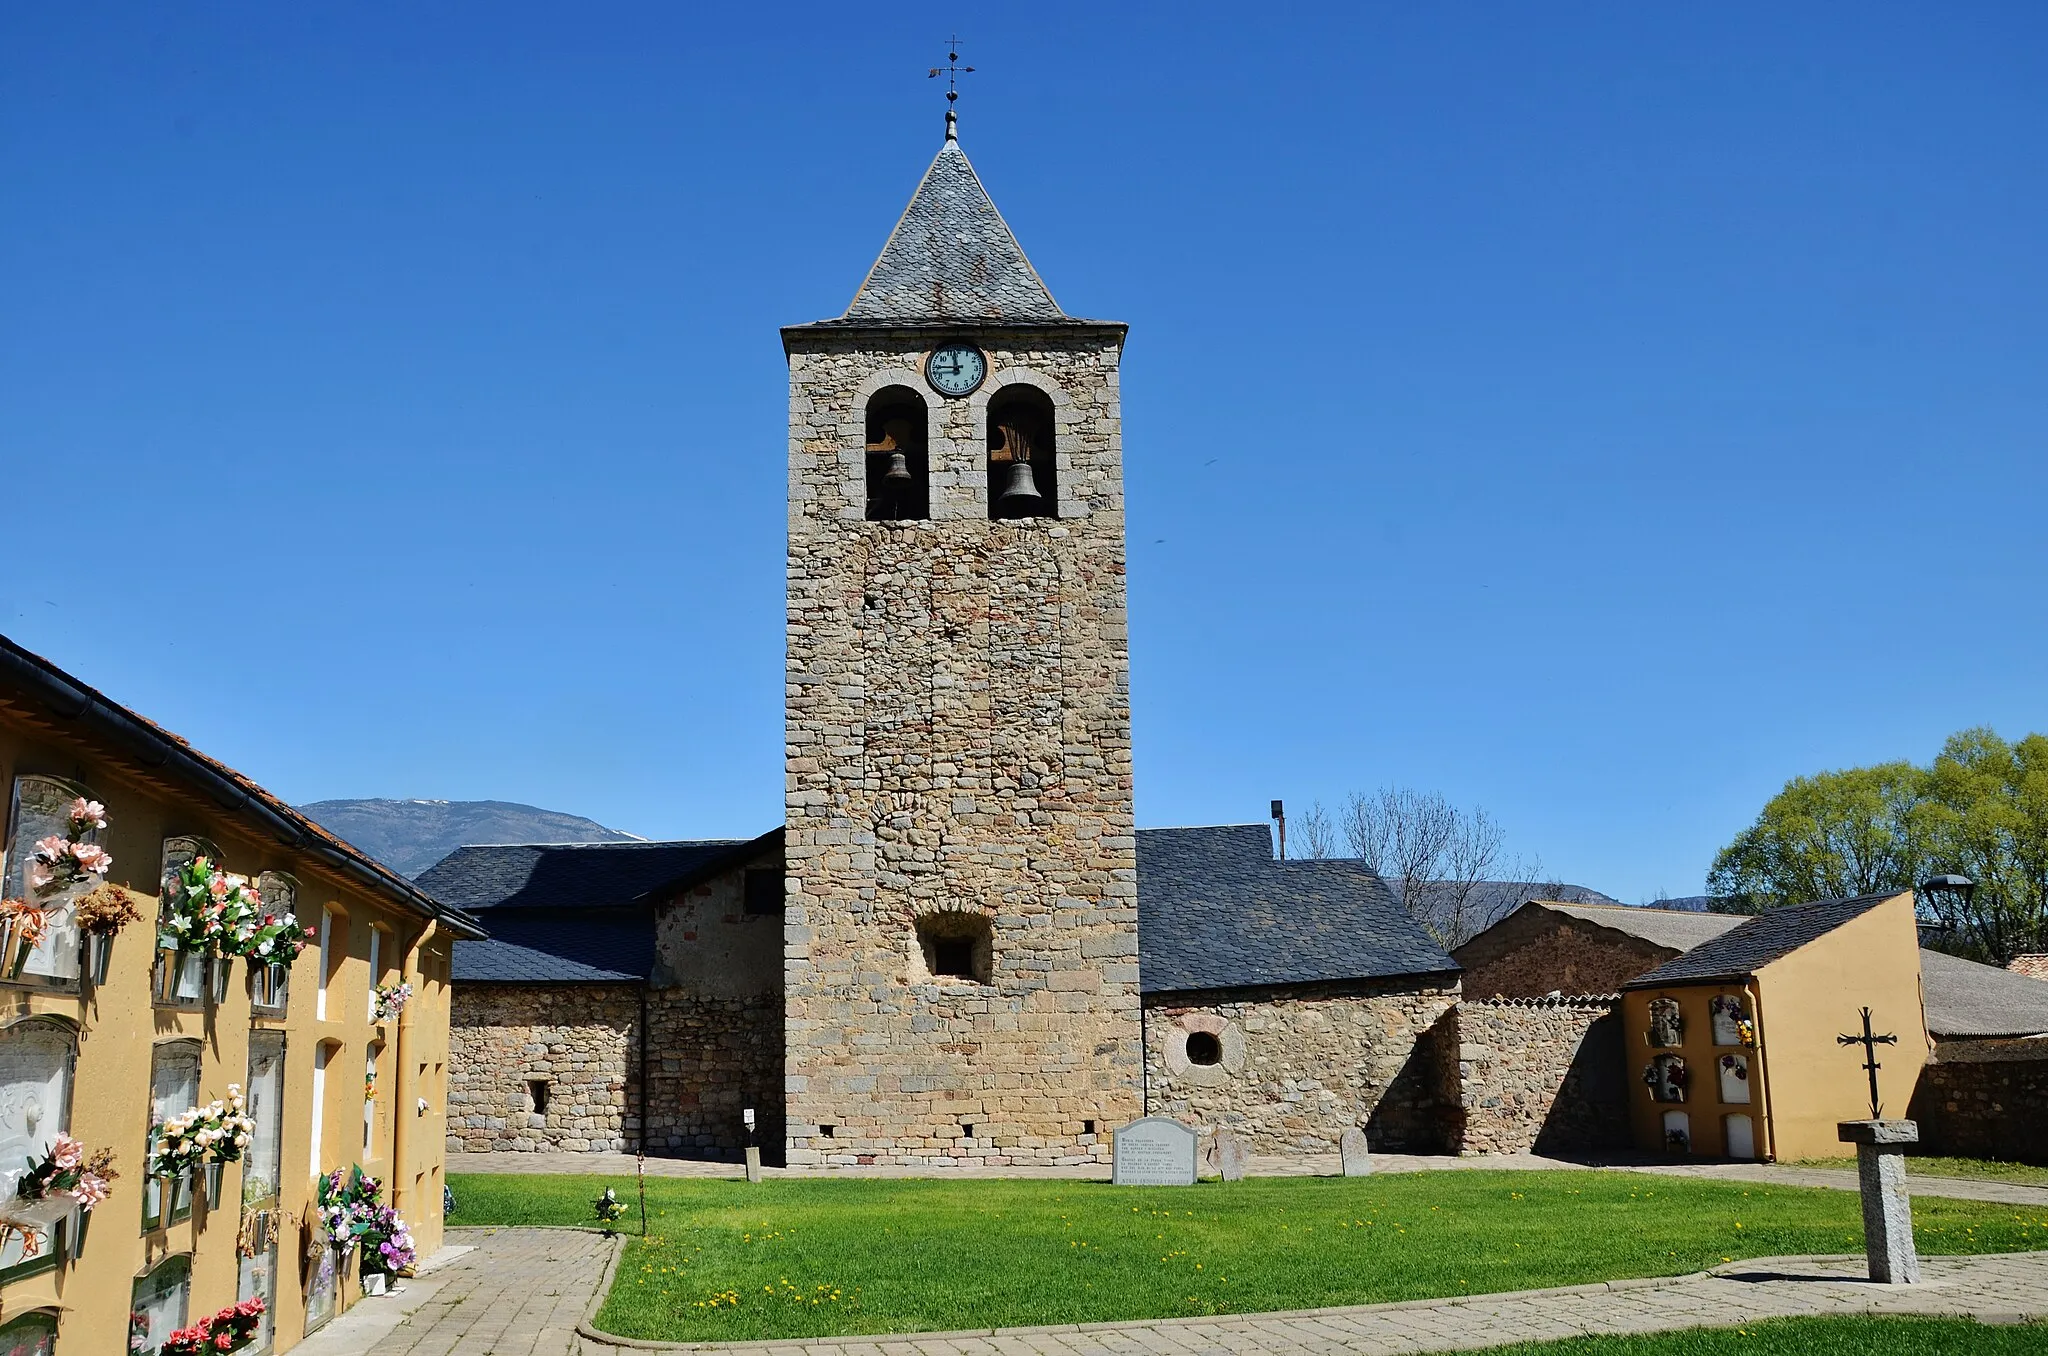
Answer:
(100, 916)
(228, 1331)
(205, 907)
(59, 861)
(66, 1171)
(105, 911)
(391, 1000)
(352, 1210)
(22, 927)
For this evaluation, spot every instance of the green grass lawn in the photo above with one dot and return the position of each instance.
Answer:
(1810, 1337)
(727, 1260)
(1983, 1169)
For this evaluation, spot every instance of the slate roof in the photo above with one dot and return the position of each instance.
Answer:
(1743, 950)
(952, 257)
(1216, 911)
(498, 962)
(1966, 999)
(576, 875)
(620, 940)
(1674, 929)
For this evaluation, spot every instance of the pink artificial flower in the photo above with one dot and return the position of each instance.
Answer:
(53, 848)
(67, 1153)
(218, 885)
(92, 857)
(88, 814)
(40, 875)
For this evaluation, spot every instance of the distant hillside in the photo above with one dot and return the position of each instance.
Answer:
(411, 835)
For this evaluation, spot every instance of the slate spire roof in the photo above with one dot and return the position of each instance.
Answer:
(952, 257)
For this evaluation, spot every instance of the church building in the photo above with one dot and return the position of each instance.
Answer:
(958, 948)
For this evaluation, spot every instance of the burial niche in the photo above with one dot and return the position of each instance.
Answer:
(898, 458)
(1666, 1078)
(1667, 1027)
(1023, 468)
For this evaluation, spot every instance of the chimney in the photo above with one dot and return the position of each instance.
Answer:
(1280, 818)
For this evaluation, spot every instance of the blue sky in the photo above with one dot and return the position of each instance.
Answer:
(1596, 413)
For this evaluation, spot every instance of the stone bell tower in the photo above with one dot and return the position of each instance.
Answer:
(961, 925)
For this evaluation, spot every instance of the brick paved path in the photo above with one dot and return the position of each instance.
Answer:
(521, 1292)
(513, 1292)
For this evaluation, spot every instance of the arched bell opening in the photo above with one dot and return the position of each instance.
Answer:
(1023, 465)
(898, 460)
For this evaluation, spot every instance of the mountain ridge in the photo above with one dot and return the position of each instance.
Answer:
(411, 835)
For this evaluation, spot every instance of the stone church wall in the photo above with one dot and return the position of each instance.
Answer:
(577, 1038)
(1540, 1075)
(958, 752)
(1301, 1065)
(1984, 1099)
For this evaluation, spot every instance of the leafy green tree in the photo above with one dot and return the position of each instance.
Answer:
(1980, 810)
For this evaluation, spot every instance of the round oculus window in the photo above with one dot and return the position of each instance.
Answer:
(1204, 1048)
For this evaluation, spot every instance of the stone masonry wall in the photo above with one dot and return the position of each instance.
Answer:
(1535, 953)
(577, 1037)
(708, 1060)
(1984, 1099)
(958, 742)
(1543, 1076)
(1302, 1065)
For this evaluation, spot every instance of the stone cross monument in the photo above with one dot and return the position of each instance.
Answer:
(960, 958)
(1881, 1174)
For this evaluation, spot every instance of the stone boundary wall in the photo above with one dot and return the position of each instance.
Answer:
(1302, 1065)
(708, 1060)
(579, 1038)
(1984, 1099)
(1542, 1075)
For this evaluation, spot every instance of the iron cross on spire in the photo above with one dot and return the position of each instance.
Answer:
(952, 70)
(1870, 1044)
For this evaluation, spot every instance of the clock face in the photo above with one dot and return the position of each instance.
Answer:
(955, 369)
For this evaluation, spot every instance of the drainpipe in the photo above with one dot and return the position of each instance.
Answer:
(1763, 1075)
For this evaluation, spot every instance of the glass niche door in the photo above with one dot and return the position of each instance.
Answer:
(260, 1219)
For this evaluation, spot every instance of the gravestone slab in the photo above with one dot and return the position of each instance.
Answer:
(1351, 1148)
(1229, 1156)
(1153, 1151)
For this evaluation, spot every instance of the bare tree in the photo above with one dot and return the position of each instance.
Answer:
(1436, 856)
(1316, 834)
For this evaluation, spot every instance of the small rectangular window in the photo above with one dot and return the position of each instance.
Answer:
(953, 957)
(537, 1093)
(764, 891)
(827, 1130)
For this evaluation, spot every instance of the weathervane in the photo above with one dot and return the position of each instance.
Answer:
(953, 71)
(1870, 1044)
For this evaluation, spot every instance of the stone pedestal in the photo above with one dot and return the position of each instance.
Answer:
(1887, 1209)
(753, 1163)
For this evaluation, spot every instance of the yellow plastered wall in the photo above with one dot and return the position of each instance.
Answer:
(120, 1028)
(1813, 995)
(1704, 1110)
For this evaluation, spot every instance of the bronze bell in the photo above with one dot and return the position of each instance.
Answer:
(1022, 493)
(899, 469)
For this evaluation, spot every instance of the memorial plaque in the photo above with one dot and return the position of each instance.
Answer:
(1229, 1156)
(1153, 1151)
(1351, 1148)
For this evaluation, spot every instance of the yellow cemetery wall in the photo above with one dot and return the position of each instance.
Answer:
(119, 1027)
(1703, 1106)
(1813, 995)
